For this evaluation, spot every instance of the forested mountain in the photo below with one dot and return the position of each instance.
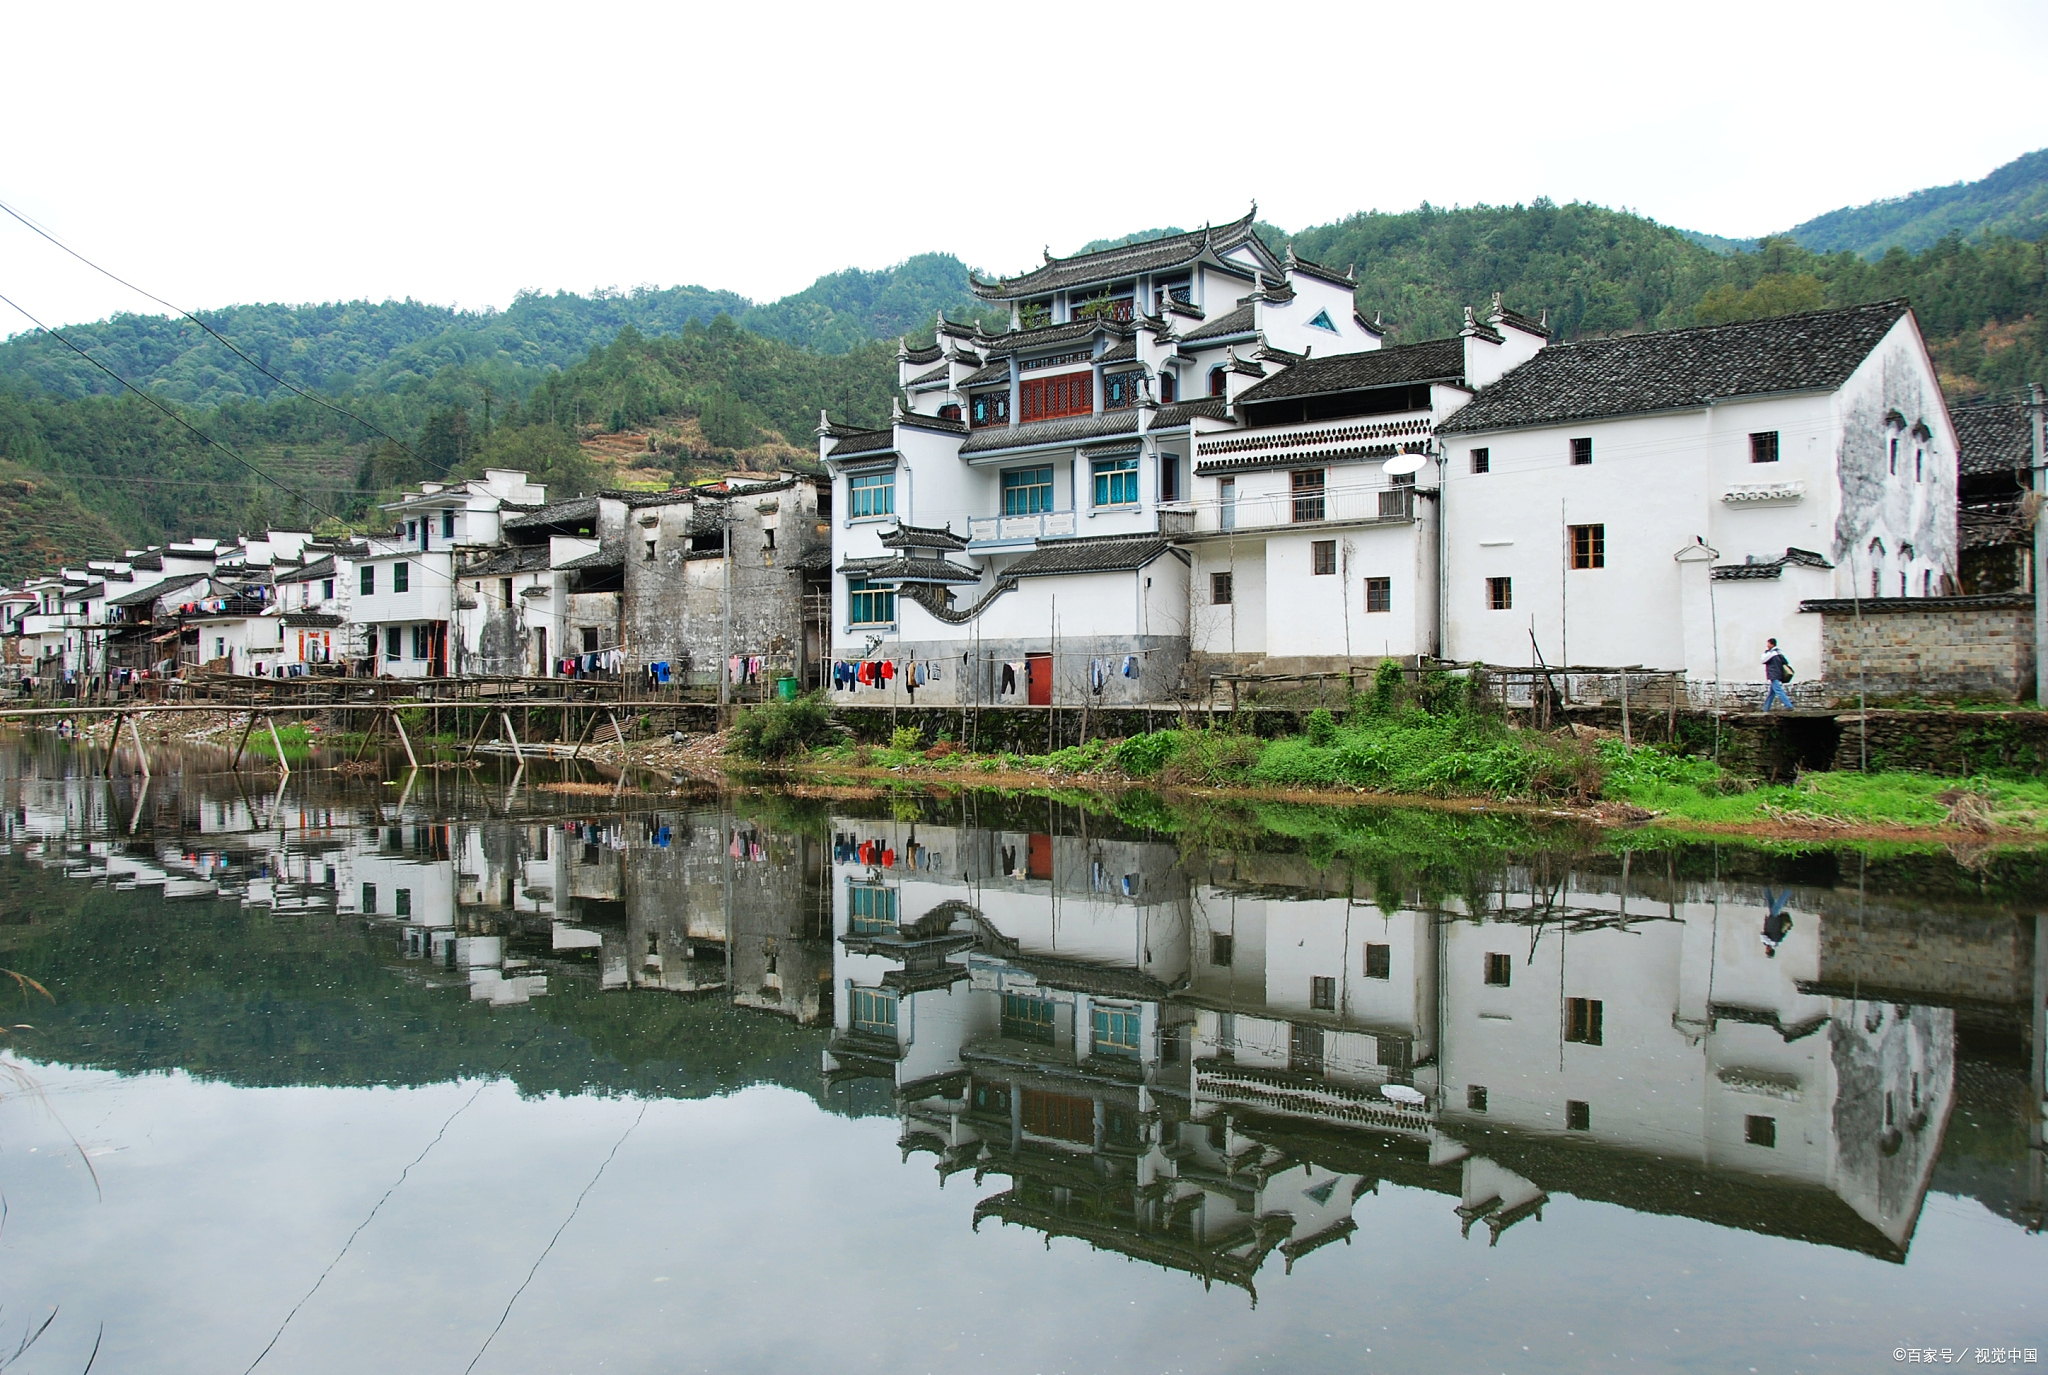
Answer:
(526, 385)
(2011, 201)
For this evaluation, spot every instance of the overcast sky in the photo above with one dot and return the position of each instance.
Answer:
(225, 153)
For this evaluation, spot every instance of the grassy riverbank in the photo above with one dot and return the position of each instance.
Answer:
(1444, 749)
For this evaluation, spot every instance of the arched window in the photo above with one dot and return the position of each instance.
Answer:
(1216, 381)
(1169, 388)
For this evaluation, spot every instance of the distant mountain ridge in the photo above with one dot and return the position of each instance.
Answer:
(2011, 201)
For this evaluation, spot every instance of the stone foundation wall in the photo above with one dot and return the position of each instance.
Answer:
(1979, 647)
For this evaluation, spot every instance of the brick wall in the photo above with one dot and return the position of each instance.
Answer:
(1928, 646)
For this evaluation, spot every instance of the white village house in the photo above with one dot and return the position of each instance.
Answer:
(1180, 468)
(1670, 499)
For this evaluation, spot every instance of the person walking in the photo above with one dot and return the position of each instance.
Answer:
(1778, 672)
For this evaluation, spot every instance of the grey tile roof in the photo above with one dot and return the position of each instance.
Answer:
(998, 371)
(1433, 361)
(312, 572)
(993, 438)
(864, 442)
(1047, 336)
(150, 559)
(1995, 437)
(597, 560)
(1121, 353)
(1317, 270)
(317, 619)
(1679, 369)
(1884, 606)
(1768, 570)
(943, 425)
(903, 568)
(1084, 269)
(494, 563)
(1237, 322)
(923, 537)
(1095, 554)
(1178, 414)
(937, 374)
(928, 354)
(579, 511)
(176, 587)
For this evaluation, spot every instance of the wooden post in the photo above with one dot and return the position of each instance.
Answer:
(588, 722)
(506, 717)
(243, 743)
(136, 735)
(114, 742)
(286, 768)
(403, 739)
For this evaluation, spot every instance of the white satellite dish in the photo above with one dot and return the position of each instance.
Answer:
(1401, 465)
(1401, 1093)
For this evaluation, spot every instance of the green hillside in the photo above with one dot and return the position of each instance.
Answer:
(524, 386)
(2011, 201)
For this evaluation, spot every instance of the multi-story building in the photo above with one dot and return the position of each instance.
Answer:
(1670, 499)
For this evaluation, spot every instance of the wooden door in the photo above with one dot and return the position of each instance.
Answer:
(1038, 676)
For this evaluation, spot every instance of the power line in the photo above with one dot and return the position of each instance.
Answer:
(224, 340)
(177, 419)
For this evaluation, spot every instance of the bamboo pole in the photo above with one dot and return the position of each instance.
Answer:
(135, 734)
(404, 739)
(271, 721)
(517, 753)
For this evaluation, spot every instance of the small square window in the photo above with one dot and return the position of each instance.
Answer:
(650, 552)
(1379, 961)
(1582, 1018)
(1500, 970)
(1379, 594)
(1482, 460)
(404, 902)
(1221, 948)
(1322, 557)
(1219, 589)
(1582, 452)
(1500, 594)
(1763, 447)
(1578, 1116)
(1760, 1131)
(1322, 994)
(1589, 546)
(1475, 1098)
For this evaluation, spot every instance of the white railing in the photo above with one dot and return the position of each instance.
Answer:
(1042, 525)
(1266, 510)
(1314, 439)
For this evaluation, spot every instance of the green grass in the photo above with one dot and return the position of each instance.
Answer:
(1694, 789)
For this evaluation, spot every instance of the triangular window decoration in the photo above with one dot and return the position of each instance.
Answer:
(1322, 321)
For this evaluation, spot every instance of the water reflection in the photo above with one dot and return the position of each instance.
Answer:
(1199, 1057)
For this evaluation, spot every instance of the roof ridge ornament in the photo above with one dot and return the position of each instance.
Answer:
(895, 409)
(824, 424)
(902, 348)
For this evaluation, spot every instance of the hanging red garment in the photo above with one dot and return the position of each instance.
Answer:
(889, 858)
(888, 669)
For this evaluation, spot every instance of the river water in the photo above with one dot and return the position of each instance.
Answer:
(482, 1072)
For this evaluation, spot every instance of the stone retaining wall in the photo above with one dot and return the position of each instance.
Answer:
(1941, 647)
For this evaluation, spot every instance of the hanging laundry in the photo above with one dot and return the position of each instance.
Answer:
(1008, 684)
(1130, 665)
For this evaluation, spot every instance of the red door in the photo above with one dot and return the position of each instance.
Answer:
(1038, 679)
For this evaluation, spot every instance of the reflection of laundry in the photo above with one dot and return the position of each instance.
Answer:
(1130, 885)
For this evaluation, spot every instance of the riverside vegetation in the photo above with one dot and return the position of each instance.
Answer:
(1442, 738)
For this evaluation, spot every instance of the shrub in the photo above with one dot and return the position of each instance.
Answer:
(906, 739)
(1322, 727)
(1144, 755)
(1206, 756)
(777, 730)
(1386, 687)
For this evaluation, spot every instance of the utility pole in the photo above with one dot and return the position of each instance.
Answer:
(2040, 494)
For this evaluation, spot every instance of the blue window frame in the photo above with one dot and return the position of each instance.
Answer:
(1322, 321)
(1116, 481)
(871, 494)
(1027, 1018)
(1116, 1030)
(870, 909)
(874, 1011)
(448, 524)
(867, 605)
(1027, 491)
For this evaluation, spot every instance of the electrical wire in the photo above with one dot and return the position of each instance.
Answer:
(224, 340)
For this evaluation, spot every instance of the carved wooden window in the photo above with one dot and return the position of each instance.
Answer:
(1046, 398)
(988, 408)
(1120, 390)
